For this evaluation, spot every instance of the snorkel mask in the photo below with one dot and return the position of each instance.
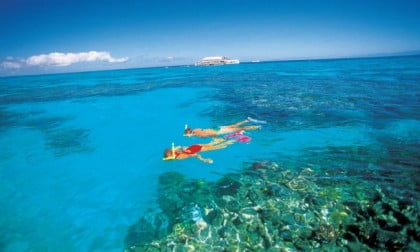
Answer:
(173, 154)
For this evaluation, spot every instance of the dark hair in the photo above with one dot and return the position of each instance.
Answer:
(188, 131)
(167, 153)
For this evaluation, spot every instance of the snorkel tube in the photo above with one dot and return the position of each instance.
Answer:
(173, 154)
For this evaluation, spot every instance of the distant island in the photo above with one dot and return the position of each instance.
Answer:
(216, 60)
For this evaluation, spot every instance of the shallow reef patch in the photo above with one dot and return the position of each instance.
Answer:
(268, 207)
(65, 141)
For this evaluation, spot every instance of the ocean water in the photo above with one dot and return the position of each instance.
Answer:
(81, 153)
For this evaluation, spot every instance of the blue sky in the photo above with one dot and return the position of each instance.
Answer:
(101, 34)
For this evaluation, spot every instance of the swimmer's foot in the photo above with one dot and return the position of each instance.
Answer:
(256, 121)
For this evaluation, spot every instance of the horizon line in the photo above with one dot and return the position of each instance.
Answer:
(377, 55)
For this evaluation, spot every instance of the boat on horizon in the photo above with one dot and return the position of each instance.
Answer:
(216, 60)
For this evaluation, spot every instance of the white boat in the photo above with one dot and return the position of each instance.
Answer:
(216, 60)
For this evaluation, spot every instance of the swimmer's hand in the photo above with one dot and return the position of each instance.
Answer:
(208, 160)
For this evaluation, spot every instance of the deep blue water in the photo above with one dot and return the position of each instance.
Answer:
(81, 153)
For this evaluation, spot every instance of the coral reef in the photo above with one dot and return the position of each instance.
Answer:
(266, 207)
(65, 141)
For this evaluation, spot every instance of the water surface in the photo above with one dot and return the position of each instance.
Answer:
(81, 152)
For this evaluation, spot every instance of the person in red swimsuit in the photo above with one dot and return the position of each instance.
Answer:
(180, 152)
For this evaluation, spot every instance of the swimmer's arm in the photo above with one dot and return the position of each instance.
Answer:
(207, 160)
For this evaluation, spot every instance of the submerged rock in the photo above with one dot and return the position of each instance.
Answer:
(227, 186)
(170, 179)
(274, 210)
(152, 226)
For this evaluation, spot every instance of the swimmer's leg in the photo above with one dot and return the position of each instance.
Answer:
(231, 128)
(220, 145)
(253, 127)
(216, 140)
(235, 125)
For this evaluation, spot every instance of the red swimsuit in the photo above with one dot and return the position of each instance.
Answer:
(190, 150)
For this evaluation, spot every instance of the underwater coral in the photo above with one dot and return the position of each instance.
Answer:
(269, 208)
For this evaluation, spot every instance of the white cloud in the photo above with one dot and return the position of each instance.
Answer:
(10, 65)
(65, 59)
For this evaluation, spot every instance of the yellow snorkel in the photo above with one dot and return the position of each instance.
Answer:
(173, 154)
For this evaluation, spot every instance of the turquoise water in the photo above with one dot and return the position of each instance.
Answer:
(81, 153)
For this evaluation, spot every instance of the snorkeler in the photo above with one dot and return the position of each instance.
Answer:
(214, 132)
(192, 151)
